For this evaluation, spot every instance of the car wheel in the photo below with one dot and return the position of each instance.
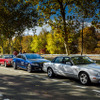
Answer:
(50, 72)
(5, 64)
(84, 78)
(14, 65)
(29, 68)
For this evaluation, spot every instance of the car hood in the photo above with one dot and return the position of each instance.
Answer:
(91, 66)
(38, 60)
(9, 59)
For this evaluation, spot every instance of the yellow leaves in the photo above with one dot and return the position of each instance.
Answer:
(55, 42)
(98, 44)
(26, 1)
(70, 40)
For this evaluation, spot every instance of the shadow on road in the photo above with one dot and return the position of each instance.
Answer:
(26, 87)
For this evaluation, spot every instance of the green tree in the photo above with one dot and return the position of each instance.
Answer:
(3, 41)
(86, 10)
(17, 43)
(16, 16)
(97, 49)
(39, 42)
(35, 44)
(26, 43)
(57, 10)
(55, 44)
(90, 40)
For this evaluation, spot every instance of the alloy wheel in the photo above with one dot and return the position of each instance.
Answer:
(29, 68)
(84, 79)
(50, 73)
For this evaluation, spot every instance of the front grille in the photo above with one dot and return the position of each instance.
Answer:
(41, 64)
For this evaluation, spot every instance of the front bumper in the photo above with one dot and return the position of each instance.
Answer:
(9, 64)
(95, 79)
(37, 67)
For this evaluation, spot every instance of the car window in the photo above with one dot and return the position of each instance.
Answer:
(19, 56)
(23, 57)
(8, 56)
(82, 60)
(58, 60)
(66, 59)
(54, 60)
(33, 56)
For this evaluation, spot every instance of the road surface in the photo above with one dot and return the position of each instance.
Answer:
(21, 85)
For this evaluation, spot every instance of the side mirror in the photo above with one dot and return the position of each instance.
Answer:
(23, 58)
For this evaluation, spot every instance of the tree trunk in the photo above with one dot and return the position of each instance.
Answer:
(11, 46)
(66, 48)
(63, 13)
(11, 49)
(3, 50)
(82, 37)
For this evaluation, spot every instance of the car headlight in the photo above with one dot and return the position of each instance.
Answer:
(98, 74)
(94, 72)
(35, 64)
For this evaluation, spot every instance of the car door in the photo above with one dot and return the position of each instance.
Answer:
(1, 60)
(17, 60)
(22, 62)
(68, 67)
(57, 64)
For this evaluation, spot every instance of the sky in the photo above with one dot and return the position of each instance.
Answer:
(38, 30)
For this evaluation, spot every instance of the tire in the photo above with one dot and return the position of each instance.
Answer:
(84, 78)
(29, 68)
(50, 73)
(14, 65)
(5, 64)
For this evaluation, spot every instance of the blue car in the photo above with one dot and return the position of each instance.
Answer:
(29, 62)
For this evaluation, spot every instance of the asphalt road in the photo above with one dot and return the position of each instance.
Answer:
(21, 85)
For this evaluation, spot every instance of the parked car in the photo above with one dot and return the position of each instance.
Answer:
(6, 59)
(79, 67)
(29, 61)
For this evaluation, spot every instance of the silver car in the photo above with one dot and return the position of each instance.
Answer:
(79, 67)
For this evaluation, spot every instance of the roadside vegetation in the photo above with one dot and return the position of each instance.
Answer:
(69, 33)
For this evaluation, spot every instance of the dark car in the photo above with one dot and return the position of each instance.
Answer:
(6, 59)
(29, 62)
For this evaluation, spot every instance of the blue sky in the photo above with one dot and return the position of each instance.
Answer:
(38, 30)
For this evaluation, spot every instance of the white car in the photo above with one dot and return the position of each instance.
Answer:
(79, 67)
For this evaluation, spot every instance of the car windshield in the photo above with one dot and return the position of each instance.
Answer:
(8, 56)
(82, 60)
(33, 56)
